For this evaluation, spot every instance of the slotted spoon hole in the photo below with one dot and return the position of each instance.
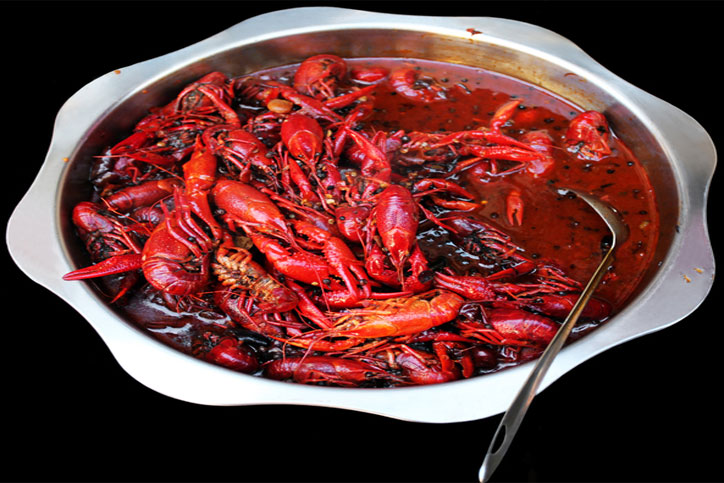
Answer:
(498, 440)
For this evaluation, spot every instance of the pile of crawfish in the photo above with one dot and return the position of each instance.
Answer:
(270, 204)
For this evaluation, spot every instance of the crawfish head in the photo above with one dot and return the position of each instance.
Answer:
(247, 205)
(351, 220)
(318, 75)
(397, 219)
(588, 135)
(303, 136)
(228, 352)
(411, 84)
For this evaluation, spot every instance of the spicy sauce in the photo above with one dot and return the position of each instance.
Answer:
(554, 227)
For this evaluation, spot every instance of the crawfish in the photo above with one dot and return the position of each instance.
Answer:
(512, 326)
(304, 138)
(421, 367)
(137, 196)
(254, 210)
(559, 306)
(417, 87)
(392, 317)
(336, 263)
(318, 75)
(371, 155)
(159, 141)
(235, 269)
(588, 136)
(241, 151)
(350, 221)
(542, 142)
(431, 186)
(102, 232)
(303, 266)
(226, 351)
(480, 289)
(105, 233)
(211, 92)
(200, 176)
(177, 255)
(325, 369)
(396, 219)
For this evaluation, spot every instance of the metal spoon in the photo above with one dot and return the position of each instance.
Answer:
(514, 416)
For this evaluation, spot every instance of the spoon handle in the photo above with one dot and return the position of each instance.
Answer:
(514, 415)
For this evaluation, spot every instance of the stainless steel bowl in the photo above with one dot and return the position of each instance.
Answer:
(677, 153)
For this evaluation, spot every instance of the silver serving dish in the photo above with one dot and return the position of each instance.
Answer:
(677, 152)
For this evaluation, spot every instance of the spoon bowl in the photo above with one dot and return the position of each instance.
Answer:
(608, 213)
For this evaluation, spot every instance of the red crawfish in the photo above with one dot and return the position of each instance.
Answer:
(415, 86)
(304, 138)
(239, 307)
(342, 263)
(368, 75)
(542, 142)
(421, 367)
(325, 369)
(588, 136)
(395, 218)
(292, 174)
(242, 152)
(137, 196)
(211, 92)
(418, 277)
(303, 266)
(432, 186)
(317, 76)
(371, 155)
(559, 306)
(318, 178)
(481, 238)
(392, 317)
(235, 269)
(476, 288)
(396, 221)
(200, 177)
(489, 145)
(226, 351)
(538, 295)
(511, 326)
(247, 206)
(350, 221)
(159, 141)
(177, 255)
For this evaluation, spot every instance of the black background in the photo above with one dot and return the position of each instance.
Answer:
(649, 410)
